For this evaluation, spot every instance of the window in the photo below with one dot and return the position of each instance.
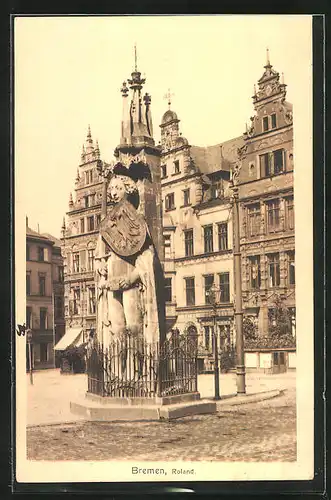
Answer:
(272, 163)
(254, 220)
(168, 289)
(98, 220)
(190, 291)
(176, 166)
(75, 303)
(82, 225)
(273, 216)
(189, 249)
(43, 318)
(163, 171)
(254, 272)
(86, 201)
(265, 123)
(28, 283)
(43, 352)
(208, 239)
(58, 306)
(289, 213)
(170, 201)
(90, 223)
(27, 252)
(273, 268)
(76, 262)
(167, 246)
(265, 165)
(90, 259)
(88, 177)
(291, 268)
(273, 121)
(224, 287)
(91, 200)
(278, 157)
(91, 300)
(41, 254)
(28, 321)
(223, 236)
(209, 281)
(207, 336)
(61, 273)
(213, 191)
(42, 284)
(186, 197)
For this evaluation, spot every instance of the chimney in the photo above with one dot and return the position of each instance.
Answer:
(27, 221)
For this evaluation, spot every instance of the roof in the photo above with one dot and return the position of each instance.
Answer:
(55, 240)
(210, 159)
(168, 117)
(34, 234)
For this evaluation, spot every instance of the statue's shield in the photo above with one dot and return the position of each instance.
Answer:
(124, 229)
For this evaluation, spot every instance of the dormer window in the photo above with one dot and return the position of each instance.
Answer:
(176, 167)
(265, 123)
(269, 122)
(273, 120)
(213, 192)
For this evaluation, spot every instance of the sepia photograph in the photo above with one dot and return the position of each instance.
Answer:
(163, 220)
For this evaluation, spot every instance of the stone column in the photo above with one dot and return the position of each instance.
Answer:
(282, 269)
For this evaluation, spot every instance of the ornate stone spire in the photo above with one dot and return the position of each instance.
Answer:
(77, 176)
(136, 119)
(269, 85)
(89, 141)
(268, 59)
(63, 228)
(97, 150)
(71, 201)
(83, 154)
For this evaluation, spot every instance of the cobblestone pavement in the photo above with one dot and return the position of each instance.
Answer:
(264, 431)
(50, 395)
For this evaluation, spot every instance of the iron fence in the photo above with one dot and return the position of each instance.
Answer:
(131, 367)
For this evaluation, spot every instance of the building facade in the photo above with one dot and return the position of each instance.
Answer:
(44, 296)
(79, 236)
(197, 223)
(267, 204)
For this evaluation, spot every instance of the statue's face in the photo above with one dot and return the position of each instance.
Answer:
(117, 190)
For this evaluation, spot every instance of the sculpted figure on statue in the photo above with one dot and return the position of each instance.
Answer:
(125, 269)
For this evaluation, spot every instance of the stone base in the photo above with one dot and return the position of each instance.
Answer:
(97, 408)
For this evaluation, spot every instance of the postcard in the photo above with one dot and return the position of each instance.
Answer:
(163, 219)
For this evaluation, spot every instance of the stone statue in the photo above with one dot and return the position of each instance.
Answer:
(125, 269)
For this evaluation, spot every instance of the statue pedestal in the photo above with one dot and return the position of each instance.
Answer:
(98, 408)
(135, 380)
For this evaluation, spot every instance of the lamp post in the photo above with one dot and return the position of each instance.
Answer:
(213, 301)
(238, 312)
(29, 341)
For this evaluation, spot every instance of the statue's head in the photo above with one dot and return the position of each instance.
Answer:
(120, 186)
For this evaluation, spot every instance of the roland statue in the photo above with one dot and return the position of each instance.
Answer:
(125, 267)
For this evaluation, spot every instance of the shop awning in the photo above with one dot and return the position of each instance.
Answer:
(72, 336)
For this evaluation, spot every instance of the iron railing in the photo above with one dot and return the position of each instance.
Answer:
(131, 367)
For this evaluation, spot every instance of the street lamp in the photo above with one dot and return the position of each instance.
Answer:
(211, 293)
(238, 312)
(29, 341)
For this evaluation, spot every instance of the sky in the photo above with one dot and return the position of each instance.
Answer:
(69, 71)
